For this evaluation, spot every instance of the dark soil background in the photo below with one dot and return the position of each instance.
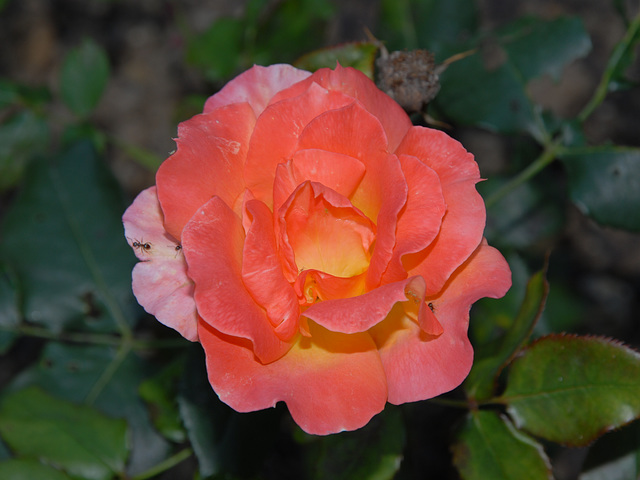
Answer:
(143, 104)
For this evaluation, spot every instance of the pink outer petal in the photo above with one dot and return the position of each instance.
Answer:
(262, 272)
(464, 220)
(256, 86)
(419, 366)
(330, 382)
(212, 243)
(359, 314)
(357, 85)
(420, 219)
(160, 281)
(276, 134)
(208, 161)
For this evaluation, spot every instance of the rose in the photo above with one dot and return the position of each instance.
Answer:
(323, 250)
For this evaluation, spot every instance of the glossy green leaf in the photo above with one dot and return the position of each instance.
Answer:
(604, 183)
(84, 76)
(78, 373)
(615, 456)
(22, 469)
(536, 47)
(82, 441)
(63, 236)
(224, 441)
(489, 447)
(571, 389)
(358, 55)
(372, 453)
(159, 392)
(22, 137)
(480, 383)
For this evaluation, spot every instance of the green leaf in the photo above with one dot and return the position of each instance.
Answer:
(63, 237)
(622, 57)
(12, 93)
(432, 24)
(22, 137)
(604, 183)
(372, 453)
(528, 215)
(159, 392)
(571, 389)
(77, 438)
(288, 29)
(616, 456)
(9, 314)
(496, 99)
(22, 469)
(537, 47)
(217, 50)
(73, 373)
(359, 55)
(84, 75)
(481, 381)
(489, 447)
(226, 443)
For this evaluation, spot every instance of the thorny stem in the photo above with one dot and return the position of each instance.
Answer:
(165, 465)
(616, 57)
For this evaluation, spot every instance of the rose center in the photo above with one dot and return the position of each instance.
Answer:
(327, 233)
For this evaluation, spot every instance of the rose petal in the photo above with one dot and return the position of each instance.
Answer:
(356, 84)
(160, 281)
(464, 221)
(359, 314)
(262, 272)
(314, 285)
(462, 227)
(256, 86)
(325, 231)
(213, 243)
(420, 219)
(331, 382)
(208, 161)
(440, 152)
(382, 192)
(419, 366)
(276, 134)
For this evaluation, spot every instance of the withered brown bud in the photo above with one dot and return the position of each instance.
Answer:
(410, 78)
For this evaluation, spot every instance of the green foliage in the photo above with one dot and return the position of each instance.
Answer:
(604, 183)
(263, 35)
(83, 77)
(489, 446)
(22, 137)
(98, 375)
(615, 456)
(360, 56)
(480, 383)
(16, 469)
(572, 389)
(372, 453)
(78, 439)
(83, 276)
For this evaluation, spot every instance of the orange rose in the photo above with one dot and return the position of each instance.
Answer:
(323, 250)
